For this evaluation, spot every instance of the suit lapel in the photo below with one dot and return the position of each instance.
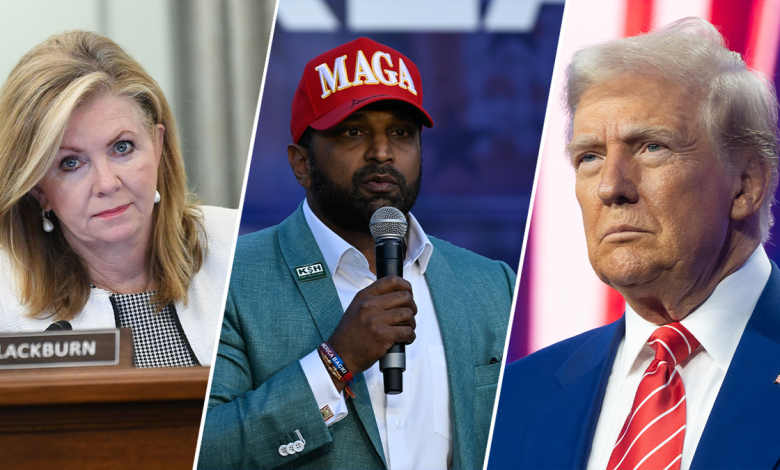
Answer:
(742, 429)
(584, 378)
(454, 324)
(557, 410)
(299, 248)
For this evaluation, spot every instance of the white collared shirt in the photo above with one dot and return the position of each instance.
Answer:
(717, 324)
(415, 426)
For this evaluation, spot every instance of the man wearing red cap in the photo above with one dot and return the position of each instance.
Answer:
(296, 381)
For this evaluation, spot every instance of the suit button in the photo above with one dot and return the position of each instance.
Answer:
(283, 451)
(298, 446)
(291, 448)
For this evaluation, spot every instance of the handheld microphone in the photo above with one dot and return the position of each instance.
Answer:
(61, 325)
(388, 227)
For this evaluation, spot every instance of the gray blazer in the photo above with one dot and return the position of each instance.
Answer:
(260, 395)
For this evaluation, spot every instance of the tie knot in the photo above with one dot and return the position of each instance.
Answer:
(673, 343)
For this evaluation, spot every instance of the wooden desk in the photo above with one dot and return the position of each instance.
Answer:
(100, 417)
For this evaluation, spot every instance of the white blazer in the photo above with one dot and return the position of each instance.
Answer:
(200, 319)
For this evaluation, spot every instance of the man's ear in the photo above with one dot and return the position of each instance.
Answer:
(40, 196)
(299, 163)
(752, 189)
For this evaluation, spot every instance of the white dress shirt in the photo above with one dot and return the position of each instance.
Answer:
(717, 324)
(415, 426)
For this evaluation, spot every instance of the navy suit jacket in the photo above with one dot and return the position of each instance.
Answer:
(550, 401)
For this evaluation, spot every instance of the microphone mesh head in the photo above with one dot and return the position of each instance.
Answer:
(388, 222)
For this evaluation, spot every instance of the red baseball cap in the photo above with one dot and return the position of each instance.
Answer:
(342, 80)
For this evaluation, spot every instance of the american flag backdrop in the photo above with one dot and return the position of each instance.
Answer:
(559, 294)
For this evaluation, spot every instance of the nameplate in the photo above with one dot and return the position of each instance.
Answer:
(59, 349)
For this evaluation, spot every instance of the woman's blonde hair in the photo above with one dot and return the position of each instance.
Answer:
(36, 103)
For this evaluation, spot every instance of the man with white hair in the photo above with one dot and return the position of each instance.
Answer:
(675, 146)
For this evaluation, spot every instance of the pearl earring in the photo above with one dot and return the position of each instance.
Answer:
(48, 226)
(156, 197)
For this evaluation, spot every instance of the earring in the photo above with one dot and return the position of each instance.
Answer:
(156, 197)
(48, 226)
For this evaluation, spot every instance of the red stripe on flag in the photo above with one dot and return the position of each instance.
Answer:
(733, 19)
(639, 16)
(763, 44)
(754, 33)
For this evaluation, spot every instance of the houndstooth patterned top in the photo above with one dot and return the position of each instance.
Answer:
(158, 338)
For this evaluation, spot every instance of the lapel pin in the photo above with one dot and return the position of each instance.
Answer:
(310, 272)
(777, 380)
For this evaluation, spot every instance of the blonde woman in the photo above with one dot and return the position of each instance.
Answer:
(97, 225)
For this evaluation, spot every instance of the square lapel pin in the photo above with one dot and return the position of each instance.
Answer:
(310, 272)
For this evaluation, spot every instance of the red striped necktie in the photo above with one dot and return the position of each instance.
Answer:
(653, 434)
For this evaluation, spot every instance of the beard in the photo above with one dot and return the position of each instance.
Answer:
(349, 208)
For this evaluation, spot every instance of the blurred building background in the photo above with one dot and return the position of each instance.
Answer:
(559, 294)
(207, 55)
(486, 67)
